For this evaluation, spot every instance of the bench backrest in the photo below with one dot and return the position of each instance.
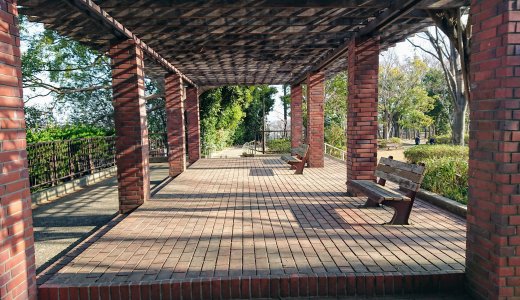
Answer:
(409, 176)
(302, 150)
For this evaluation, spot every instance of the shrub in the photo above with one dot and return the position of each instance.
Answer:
(421, 153)
(383, 143)
(279, 145)
(66, 132)
(446, 139)
(447, 176)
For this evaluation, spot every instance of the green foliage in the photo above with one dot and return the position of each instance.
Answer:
(420, 153)
(447, 139)
(261, 100)
(279, 145)
(446, 169)
(66, 132)
(335, 136)
(435, 83)
(403, 99)
(335, 110)
(74, 80)
(336, 93)
(233, 114)
(447, 176)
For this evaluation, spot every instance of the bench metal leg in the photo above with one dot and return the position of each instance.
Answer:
(401, 212)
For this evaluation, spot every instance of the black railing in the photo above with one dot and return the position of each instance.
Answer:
(55, 162)
(51, 163)
(158, 144)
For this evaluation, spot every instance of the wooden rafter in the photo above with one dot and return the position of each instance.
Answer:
(216, 42)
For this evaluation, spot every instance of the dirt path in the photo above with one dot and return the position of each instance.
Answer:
(398, 154)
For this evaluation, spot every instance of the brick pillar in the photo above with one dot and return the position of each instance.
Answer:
(315, 118)
(17, 270)
(296, 116)
(175, 124)
(363, 69)
(132, 149)
(493, 220)
(193, 120)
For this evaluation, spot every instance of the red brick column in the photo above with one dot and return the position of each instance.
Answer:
(175, 124)
(131, 125)
(17, 270)
(363, 68)
(315, 119)
(193, 120)
(296, 116)
(493, 220)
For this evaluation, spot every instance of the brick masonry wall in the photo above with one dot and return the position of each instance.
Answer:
(17, 270)
(193, 121)
(493, 246)
(131, 125)
(175, 126)
(315, 120)
(363, 68)
(304, 286)
(296, 116)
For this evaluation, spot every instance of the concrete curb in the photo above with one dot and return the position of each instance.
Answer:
(53, 193)
(443, 202)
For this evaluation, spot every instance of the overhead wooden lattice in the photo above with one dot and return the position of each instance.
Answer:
(221, 42)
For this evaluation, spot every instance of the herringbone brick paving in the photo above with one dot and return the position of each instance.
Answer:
(254, 217)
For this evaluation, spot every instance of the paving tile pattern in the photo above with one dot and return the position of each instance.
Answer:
(218, 222)
(60, 225)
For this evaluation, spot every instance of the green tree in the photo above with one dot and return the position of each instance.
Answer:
(262, 102)
(335, 109)
(403, 99)
(75, 78)
(450, 42)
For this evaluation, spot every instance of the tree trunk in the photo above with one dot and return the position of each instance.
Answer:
(397, 131)
(458, 125)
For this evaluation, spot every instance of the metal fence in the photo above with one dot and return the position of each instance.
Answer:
(56, 162)
(158, 144)
(51, 163)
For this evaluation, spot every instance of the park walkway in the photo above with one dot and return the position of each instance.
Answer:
(248, 227)
(60, 225)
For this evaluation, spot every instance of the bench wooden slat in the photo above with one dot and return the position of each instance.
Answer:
(399, 180)
(370, 186)
(302, 150)
(408, 176)
(378, 192)
(418, 169)
(414, 177)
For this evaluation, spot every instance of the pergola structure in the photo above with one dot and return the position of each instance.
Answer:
(199, 44)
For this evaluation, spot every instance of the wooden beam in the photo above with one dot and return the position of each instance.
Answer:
(243, 3)
(397, 9)
(216, 42)
(95, 12)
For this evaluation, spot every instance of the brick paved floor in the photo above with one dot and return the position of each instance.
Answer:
(252, 218)
(61, 224)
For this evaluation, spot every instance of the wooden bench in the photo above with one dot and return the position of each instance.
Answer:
(409, 178)
(298, 160)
